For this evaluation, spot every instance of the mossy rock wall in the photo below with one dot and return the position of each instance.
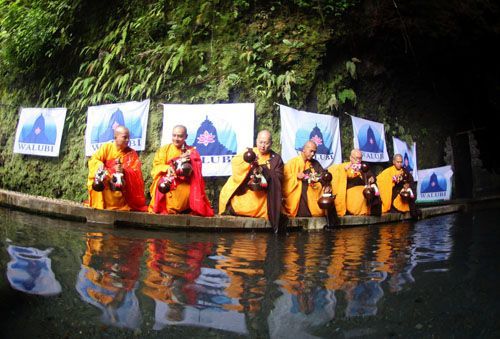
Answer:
(323, 56)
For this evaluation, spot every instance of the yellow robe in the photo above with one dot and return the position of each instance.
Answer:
(177, 200)
(292, 189)
(385, 185)
(347, 200)
(251, 203)
(108, 199)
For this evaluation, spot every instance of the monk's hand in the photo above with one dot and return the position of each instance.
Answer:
(301, 175)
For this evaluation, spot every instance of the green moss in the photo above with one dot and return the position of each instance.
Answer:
(180, 52)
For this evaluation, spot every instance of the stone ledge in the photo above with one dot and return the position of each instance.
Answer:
(71, 210)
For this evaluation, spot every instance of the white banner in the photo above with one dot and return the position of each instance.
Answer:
(409, 156)
(39, 131)
(297, 127)
(218, 132)
(434, 184)
(102, 121)
(369, 137)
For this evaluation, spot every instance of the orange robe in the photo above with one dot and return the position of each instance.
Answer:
(292, 189)
(347, 200)
(132, 196)
(385, 185)
(250, 203)
(189, 193)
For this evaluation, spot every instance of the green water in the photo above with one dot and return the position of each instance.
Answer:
(437, 277)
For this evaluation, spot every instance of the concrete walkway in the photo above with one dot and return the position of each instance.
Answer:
(71, 210)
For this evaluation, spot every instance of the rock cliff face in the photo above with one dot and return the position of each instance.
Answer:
(427, 70)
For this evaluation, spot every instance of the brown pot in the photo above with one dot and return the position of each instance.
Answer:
(249, 156)
(405, 196)
(326, 177)
(368, 193)
(326, 201)
(164, 186)
(98, 185)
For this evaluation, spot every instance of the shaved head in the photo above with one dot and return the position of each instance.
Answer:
(121, 129)
(356, 156)
(309, 150)
(264, 141)
(122, 137)
(397, 161)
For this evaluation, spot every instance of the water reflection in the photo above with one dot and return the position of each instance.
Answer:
(30, 271)
(239, 283)
(109, 277)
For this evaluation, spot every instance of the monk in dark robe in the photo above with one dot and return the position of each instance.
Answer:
(237, 198)
(37, 133)
(371, 142)
(348, 184)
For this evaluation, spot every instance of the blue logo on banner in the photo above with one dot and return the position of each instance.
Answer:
(407, 162)
(324, 142)
(208, 142)
(369, 140)
(433, 183)
(41, 131)
(105, 130)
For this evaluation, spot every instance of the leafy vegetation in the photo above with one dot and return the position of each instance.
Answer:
(77, 53)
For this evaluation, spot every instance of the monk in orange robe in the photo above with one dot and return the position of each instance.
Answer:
(303, 185)
(392, 181)
(186, 187)
(112, 159)
(348, 183)
(237, 198)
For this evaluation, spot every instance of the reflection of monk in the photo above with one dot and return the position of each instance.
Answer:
(172, 265)
(116, 120)
(304, 302)
(433, 185)
(371, 142)
(37, 133)
(109, 277)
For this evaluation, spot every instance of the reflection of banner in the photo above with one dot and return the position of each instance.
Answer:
(409, 156)
(212, 308)
(39, 131)
(297, 127)
(120, 307)
(30, 271)
(102, 121)
(369, 137)
(217, 131)
(434, 184)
